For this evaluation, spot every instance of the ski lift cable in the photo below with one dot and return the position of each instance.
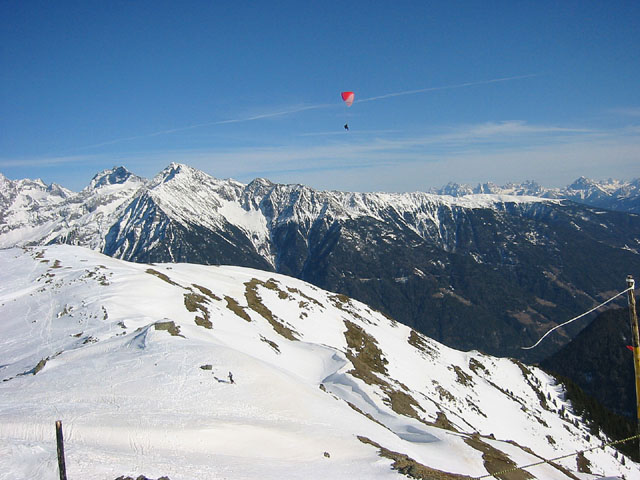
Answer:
(577, 318)
(543, 461)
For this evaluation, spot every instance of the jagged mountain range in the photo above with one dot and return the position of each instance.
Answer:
(479, 271)
(610, 194)
(197, 372)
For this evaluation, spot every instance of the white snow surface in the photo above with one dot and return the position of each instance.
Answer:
(88, 340)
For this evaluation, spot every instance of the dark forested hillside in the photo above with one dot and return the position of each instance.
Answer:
(598, 361)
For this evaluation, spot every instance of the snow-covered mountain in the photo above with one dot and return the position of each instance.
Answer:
(610, 194)
(486, 271)
(21, 199)
(31, 212)
(135, 360)
(117, 203)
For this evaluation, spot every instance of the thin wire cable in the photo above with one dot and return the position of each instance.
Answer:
(576, 318)
(542, 462)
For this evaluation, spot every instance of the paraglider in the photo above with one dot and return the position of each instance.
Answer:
(347, 97)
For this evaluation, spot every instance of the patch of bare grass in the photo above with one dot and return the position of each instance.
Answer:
(271, 343)
(443, 422)
(271, 284)
(496, 461)
(365, 354)
(170, 327)
(345, 304)
(534, 383)
(409, 467)
(403, 403)
(369, 366)
(445, 394)
(207, 292)
(161, 276)
(462, 377)
(40, 365)
(475, 366)
(255, 303)
(235, 307)
(306, 297)
(194, 302)
(420, 342)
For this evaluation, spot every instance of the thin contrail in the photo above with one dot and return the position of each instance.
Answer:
(302, 109)
(208, 124)
(446, 87)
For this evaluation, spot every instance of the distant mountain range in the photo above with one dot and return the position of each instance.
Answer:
(202, 372)
(610, 194)
(486, 271)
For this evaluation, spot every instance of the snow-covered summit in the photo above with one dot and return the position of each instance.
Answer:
(30, 193)
(116, 175)
(136, 360)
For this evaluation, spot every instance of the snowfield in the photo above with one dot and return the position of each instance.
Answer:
(134, 359)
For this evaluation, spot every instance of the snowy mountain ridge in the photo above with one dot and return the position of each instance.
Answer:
(135, 360)
(430, 261)
(195, 198)
(610, 193)
(33, 213)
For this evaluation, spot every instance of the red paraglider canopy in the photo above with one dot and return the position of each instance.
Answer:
(348, 98)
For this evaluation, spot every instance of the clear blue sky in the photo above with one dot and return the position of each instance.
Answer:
(464, 91)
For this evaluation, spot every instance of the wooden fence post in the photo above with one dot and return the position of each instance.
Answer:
(60, 441)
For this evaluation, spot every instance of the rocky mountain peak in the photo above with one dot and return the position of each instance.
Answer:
(455, 190)
(260, 185)
(168, 174)
(58, 190)
(114, 176)
(582, 183)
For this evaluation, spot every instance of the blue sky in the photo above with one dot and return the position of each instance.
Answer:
(463, 91)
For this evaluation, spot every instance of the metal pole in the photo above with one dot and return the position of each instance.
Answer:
(635, 343)
(60, 441)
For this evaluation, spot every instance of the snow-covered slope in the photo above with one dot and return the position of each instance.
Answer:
(134, 359)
